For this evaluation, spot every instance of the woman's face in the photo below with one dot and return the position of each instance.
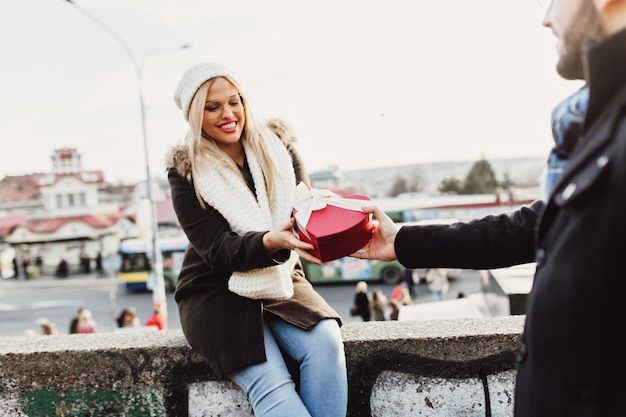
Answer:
(224, 117)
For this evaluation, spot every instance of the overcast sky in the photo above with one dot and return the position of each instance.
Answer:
(364, 83)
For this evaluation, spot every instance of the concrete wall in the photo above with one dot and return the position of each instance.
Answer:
(458, 367)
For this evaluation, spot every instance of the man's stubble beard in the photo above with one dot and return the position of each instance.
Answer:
(586, 27)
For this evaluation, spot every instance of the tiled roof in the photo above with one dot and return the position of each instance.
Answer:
(52, 225)
(7, 224)
(165, 211)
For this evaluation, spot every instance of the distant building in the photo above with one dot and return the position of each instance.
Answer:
(329, 179)
(69, 211)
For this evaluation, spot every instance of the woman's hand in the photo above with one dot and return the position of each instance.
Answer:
(283, 237)
(381, 245)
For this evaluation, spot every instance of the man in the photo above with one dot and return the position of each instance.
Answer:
(568, 363)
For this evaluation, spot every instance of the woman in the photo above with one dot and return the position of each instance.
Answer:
(379, 304)
(362, 301)
(128, 318)
(86, 323)
(233, 182)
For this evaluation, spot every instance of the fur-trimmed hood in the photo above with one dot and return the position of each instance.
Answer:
(178, 156)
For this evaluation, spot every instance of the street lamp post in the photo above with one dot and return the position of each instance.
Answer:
(157, 280)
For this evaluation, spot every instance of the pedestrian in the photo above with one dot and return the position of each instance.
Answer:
(99, 268)
(157, 320)
(62, 269)
(86, 323)
(394, 309)
(74, 322)
(396, 292)
(437, 282)
(362, 301)
(85, 263)
(16, 270)
(26, 267)
(47, 327)
(38, 265)
(232, 184)
(379, 305)
(409, 280)
(395, 304)
(128, 318)
(401, 294)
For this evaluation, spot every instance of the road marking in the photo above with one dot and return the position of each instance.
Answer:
(37, 305)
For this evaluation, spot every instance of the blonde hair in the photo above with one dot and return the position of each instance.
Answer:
(201, 146)
(85, 315)
(361, 286)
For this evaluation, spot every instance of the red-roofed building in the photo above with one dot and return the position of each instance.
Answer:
(69, 211)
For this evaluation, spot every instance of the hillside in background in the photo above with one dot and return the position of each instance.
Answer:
(377, 182)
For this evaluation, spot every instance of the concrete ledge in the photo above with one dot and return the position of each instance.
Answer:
(434, 368)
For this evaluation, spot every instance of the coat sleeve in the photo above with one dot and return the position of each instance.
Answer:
(494, 241)
(210, 236)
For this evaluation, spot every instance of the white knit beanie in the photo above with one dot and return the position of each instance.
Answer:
(194, 78)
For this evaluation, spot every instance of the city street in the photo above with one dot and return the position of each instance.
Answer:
(23, 302)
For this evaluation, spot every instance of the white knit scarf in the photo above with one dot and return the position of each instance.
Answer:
(223, 190)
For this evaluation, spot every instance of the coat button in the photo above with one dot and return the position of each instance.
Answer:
(568, 191)
(540, 257)
(602, 161)
(522, 353)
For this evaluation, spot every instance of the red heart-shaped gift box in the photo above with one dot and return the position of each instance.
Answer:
(337, 232)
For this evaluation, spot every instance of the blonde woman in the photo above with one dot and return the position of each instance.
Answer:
(86, 323)
(362, 301)
(233, 182)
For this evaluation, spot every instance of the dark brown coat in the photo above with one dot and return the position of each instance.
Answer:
(225, 327)
(570, 362)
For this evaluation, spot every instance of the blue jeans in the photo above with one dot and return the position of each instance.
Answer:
(323, 375)
(437, 296)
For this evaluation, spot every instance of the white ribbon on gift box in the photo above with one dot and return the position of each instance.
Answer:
(307, 201)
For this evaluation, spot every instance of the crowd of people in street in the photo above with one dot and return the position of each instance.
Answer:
(83, 322)
(26, 267)
(377, 306)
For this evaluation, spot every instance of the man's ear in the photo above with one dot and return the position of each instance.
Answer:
(613, 14)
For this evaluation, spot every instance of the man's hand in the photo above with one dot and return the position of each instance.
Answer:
(381, 245)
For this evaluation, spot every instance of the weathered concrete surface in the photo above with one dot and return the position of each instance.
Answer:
(461, 367)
